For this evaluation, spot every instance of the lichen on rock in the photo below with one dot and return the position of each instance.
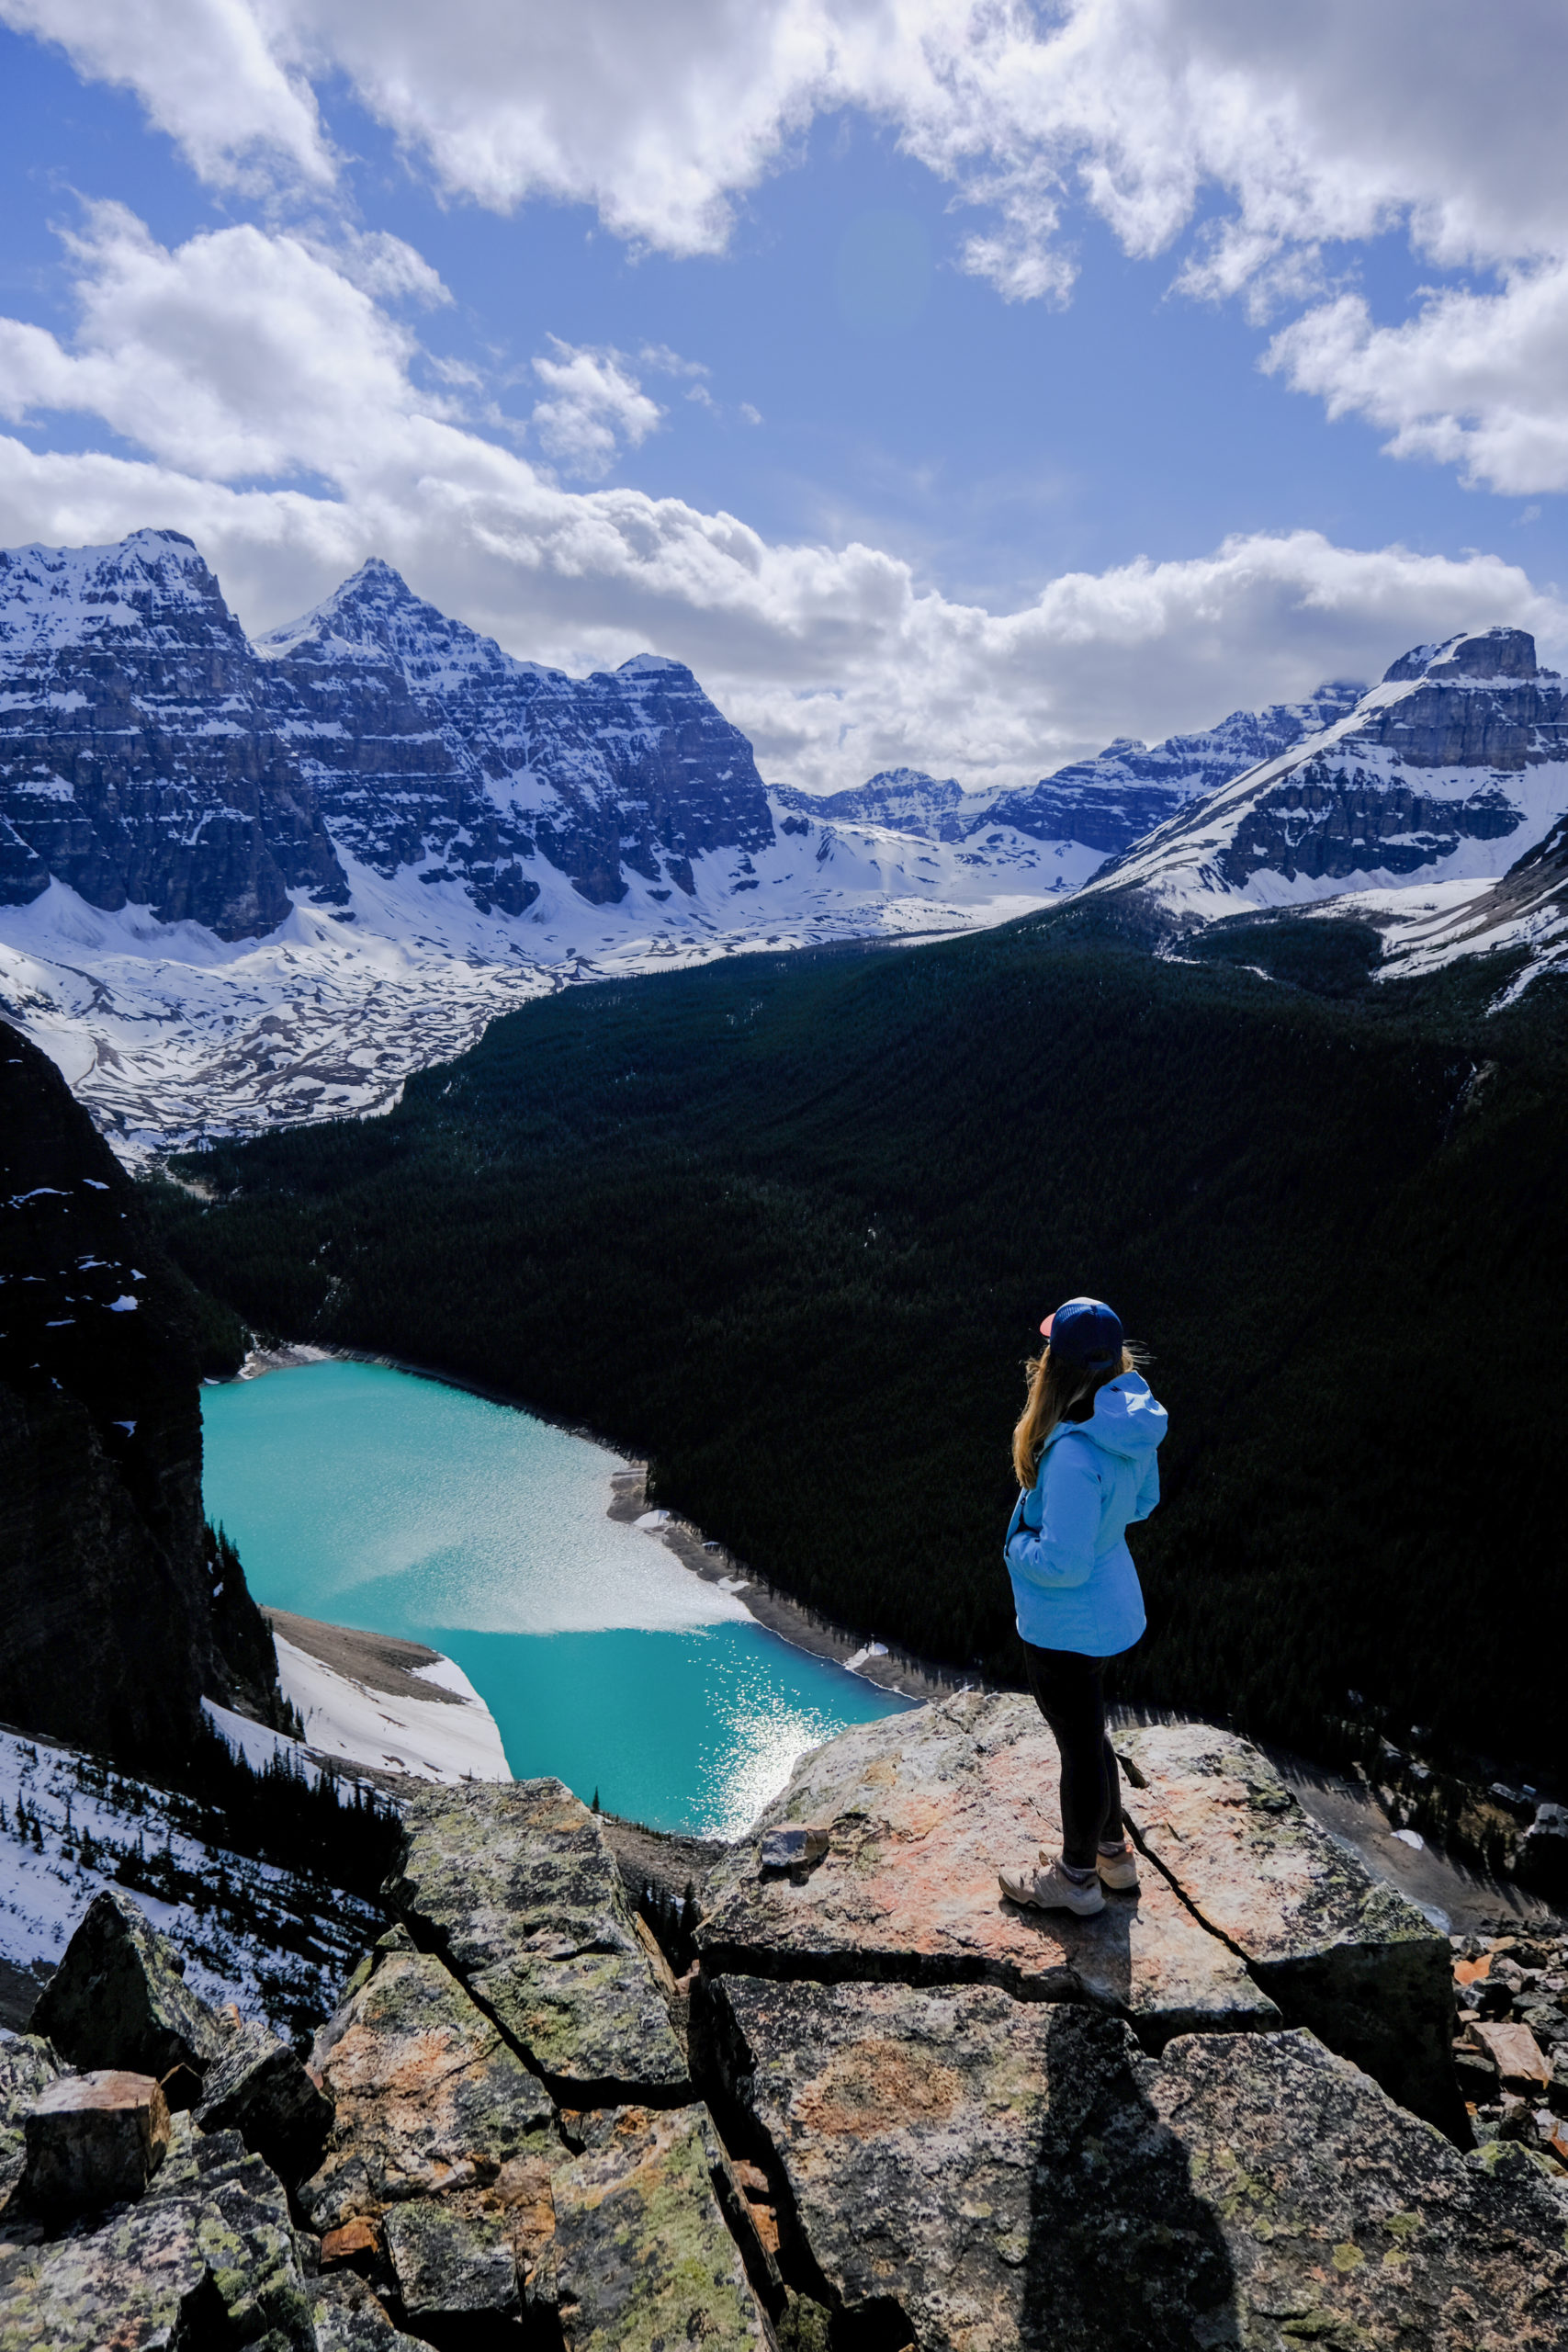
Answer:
(515, 1885)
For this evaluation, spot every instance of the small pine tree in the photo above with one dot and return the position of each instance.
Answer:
(595, 1801)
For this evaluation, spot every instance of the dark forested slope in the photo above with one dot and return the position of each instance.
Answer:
(790, 1226)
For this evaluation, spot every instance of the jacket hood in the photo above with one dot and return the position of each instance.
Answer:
(1128, 1419)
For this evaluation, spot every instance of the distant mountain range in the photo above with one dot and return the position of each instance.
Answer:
(1441, 777)
(243, 882)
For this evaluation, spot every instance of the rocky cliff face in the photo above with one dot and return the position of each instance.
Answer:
(886, 2109)
(116, 1616)
(151, 756)
(1449, 770)
(137, 757)
(431, 747)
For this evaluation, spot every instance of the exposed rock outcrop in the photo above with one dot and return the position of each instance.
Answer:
(895, 2133)
(576, 1993)
(922, 1811)
(116, 1617)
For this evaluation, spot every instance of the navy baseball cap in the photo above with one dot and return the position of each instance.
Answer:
(1085, 1332)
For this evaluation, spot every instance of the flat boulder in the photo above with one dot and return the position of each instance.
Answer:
(92, 2141)
(901, 2125)
(642, 2256)
(1336, 1949)
(975, 2175)
(920, 1810)
(119, 1999)
(428, 2096)
(514, 1884)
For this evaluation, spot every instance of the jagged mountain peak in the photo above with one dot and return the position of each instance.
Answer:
(152, 580)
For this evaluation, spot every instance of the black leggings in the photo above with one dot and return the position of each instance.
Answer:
(1070, 1693)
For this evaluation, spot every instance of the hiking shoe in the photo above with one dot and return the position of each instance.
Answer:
(1119, 1872)
(1052, 1890)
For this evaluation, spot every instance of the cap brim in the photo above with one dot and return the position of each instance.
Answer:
(1045, 1326)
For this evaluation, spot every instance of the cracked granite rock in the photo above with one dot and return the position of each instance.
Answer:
(902, 2124)
(1353, 1960)
(986, 2174)
(922, 1810)
(208, 2258)
(642, 2256)
(27, 2065)
(429, 2097)
(514, 1884)
(258, 2088)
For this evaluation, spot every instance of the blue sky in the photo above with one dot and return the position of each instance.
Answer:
(992, 502)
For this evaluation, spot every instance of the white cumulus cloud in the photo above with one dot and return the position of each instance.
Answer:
(1475, 381)
(593, 408)
(1297, 132)
(279, 413)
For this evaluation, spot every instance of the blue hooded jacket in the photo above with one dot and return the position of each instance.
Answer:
(1073, 1577)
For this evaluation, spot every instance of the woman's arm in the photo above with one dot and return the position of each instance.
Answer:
(1148, 1493)
(1061, 1552)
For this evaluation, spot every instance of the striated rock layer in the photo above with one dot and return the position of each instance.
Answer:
(1449, 770)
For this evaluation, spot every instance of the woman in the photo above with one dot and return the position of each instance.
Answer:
(1083, 1450)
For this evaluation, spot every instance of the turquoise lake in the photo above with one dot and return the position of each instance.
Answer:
(374, 1499)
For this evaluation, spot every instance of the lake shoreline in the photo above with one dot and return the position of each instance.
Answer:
(777, 1612)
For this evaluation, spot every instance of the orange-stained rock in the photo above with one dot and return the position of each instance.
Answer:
(924, 1808)
(515, 1883)
(428, 2098)
(357, 2237)
(1339, 1952)
(1471, 1971)
(1517, 2056)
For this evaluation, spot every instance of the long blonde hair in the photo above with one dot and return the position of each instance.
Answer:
(1055, 1390)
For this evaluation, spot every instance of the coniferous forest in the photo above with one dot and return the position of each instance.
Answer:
(789, 1224)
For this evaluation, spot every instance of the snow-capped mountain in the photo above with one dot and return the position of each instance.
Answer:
(905, 801)
(1094, 808)
(244, 883)
(1446, 773)
(1108, 803)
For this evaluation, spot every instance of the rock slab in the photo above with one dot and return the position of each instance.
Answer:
(921, 1811)
(980, 2174)
(1337, 1951)
(514, 1884)
(429, 2097)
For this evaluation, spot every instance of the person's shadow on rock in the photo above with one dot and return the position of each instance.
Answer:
(1123, 2255)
